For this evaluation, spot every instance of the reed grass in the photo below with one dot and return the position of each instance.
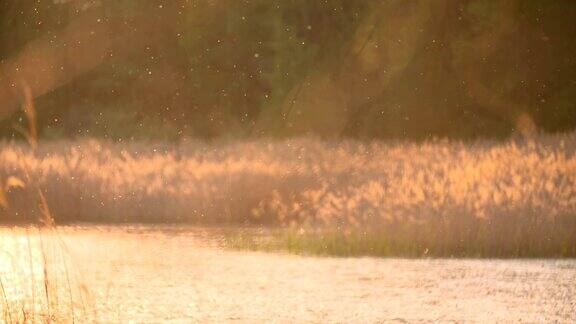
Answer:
(516, 197)
(302, 181)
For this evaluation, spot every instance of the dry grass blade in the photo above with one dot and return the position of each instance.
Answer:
(6, 314)
(46, 218)
(4, 203)
(31, 133)
(14, 182)
(11, 182)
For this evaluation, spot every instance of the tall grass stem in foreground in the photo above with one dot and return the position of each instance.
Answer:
(51, 308)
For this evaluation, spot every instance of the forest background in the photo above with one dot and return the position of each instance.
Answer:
(164, 70)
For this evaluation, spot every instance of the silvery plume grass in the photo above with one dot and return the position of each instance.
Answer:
(36, 284)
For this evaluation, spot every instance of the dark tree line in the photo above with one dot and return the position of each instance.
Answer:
(354, 68)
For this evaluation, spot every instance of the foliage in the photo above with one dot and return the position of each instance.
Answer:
(235, 68)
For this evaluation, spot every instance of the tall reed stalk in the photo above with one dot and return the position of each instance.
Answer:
(48, 305)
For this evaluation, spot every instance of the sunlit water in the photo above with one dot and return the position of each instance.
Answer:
(180, 274)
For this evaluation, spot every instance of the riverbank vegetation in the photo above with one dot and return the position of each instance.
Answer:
(448, 238)
(448, 197)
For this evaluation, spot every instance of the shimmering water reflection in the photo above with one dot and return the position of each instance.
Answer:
(180, 274)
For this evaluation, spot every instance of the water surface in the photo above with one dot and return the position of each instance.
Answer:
(181, 274)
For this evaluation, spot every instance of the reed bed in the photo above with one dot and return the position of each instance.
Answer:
(506, 195)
